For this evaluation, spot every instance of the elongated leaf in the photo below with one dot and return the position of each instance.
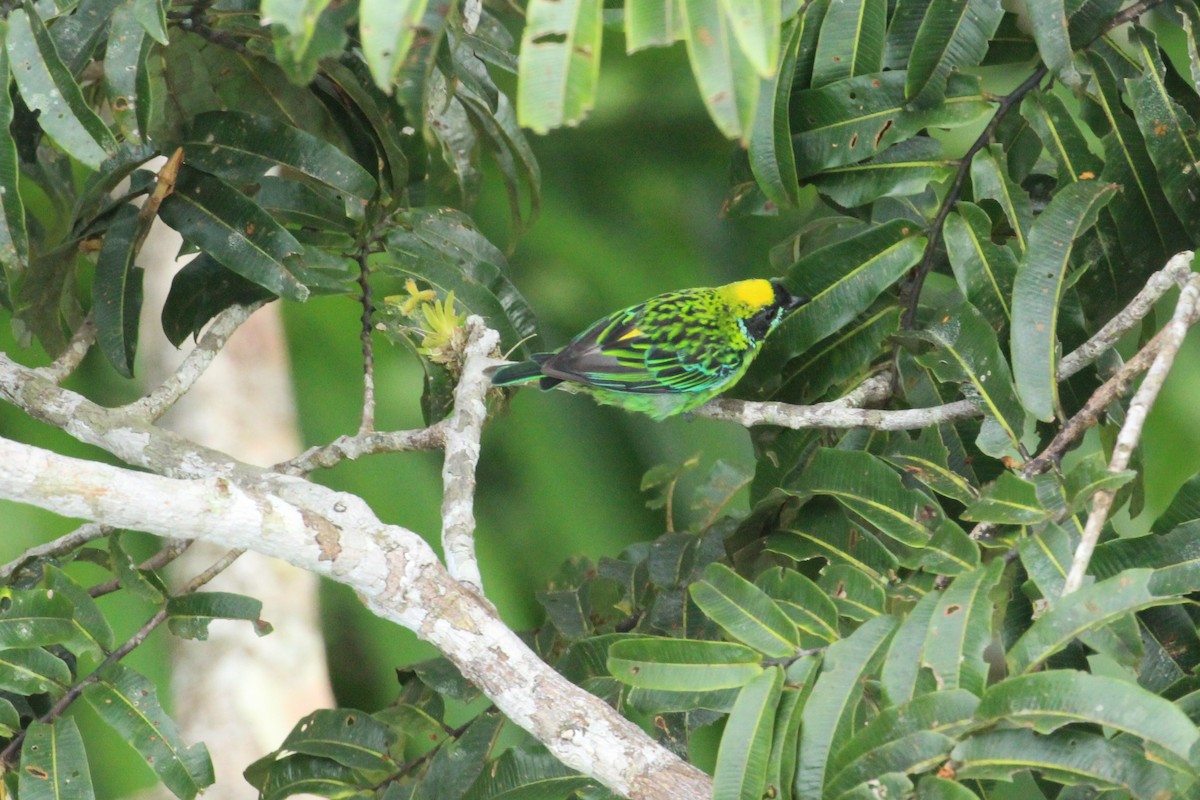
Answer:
(1046, 701)
(960, 630)
(756, 28)
(1011, 43)
(984, 270)
(238, 147)
(851, 41)
(32, 670)
(1049, 22)
(1169, 131)
(741, 769)
(990, 180)
(387, 29)
(53, 762)
(843, 280)
(785, 739)
(1083, 611)
(457, 764)
(189, 615)
(1183, 508)
(525, 774)
(729, 84)
(276, 779)
(306, 32)
(744, 611)
(95, 634)
(856, 595)
(559, 64)
(841, 358)
(809, 608)
(128, 703)
(834, 537)
(856, 118)
(916, 752)
(683, 664)
(904, 168)
(770, 147)
(948, 713)
(829, 713)
(349, 737)
(927, 460)
(1009, 500)
(46, 85)
(124, 62)
(14, 238)
(117, 292)
(651, 23)
(907, 17)
(235, 231)
(953, 34)
(1068, 757)
(199, 292)
(34, 617)
(865, 485)
(1037, 292)
(1061, 137)
(968, 352)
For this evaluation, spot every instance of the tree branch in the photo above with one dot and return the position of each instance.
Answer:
(69, 359)
(1172, 334)
(396, 573)
(364, 444)
(64, 544)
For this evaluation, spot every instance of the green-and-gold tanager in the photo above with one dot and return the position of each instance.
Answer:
(670, 354)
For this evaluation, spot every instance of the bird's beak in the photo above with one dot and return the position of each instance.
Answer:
(786, 300)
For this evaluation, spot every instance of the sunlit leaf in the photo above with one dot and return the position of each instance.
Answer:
(740, 771)
(851, 41)
(682, 664)
(1048, 20)
(744, 611)
(984, 270)
(960, 630)
(53, 762)
(387, 29)
(728, 81)
(906, 167)
(559, 64)
(953, 34)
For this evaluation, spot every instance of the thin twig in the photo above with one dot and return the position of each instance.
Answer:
(9, 754)
(167, 393)
(70, 358)
(364, 444)
(463, 430)
(85, 533)
(1173, 334)
(368, 351)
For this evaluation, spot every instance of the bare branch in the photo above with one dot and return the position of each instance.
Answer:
(463, 431)
(834, 414)
(1172, 335)
(63, 544)
(364, 444)
(397, 575)
(69, 359)
(368, 348)
(166, 394)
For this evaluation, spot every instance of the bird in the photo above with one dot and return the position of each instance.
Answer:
(667, 355)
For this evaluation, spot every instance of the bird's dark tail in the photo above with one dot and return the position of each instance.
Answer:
(511, 374)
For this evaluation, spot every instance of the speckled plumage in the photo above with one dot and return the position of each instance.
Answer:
(670, 354)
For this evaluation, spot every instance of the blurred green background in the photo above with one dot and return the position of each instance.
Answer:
(631, 207)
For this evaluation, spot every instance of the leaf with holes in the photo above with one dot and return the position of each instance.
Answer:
(559, 63)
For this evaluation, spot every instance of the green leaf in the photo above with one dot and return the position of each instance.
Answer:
(35, 617)
(305, 32)
(1046, 556)
(867, 486)
(772, 160)
(559, 62)
(843, 359)
(906, 167)
(968, 352)
(950, 552)
(1169, 131)
(830, 711)
(728, 81)
(990, 181)
(856, 118)
(843, 280)
(32, 670)
(902, 677)
(830, 535)
(1068, 757)
(851, 41)
(95, 633)
(927, 459)
(984, 270)
(200, 291)
(651, 23)
(527, 775)
(235, 231)
(1048, 20)
(1183, 508)
(240, 147)
(125, 58)
(117, 291)
(960, 630)
(931, 787)
(14, 238)
(1081, 612)
(741, 768)
(1009, 500)
(458, 764)
(276, 779)
(1011, 43)
(809, 608)
(953, 34)
(682, 664)
(351, 738)
(46, 85)
(907, 17)
(387, 28)
(855, 594)
(1038, 288)
(745, 612)
(53, 762)
(756, 28)
(948, 713)
(785, 739)
(914, 753)
(1061, 136)
(128, 703)
(189, 615)
(1046, 701)
(10, 719)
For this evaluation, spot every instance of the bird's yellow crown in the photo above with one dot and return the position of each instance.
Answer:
(755, 293)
